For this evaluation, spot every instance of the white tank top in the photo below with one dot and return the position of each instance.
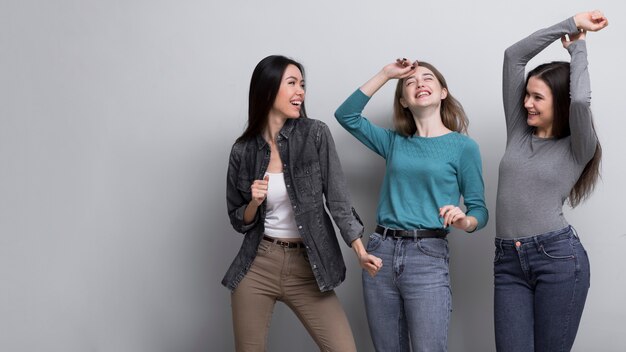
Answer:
(280, 221)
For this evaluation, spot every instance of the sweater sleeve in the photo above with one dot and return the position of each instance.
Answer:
(349, 115)
(583, 138)
(513, 76)
(471, 184)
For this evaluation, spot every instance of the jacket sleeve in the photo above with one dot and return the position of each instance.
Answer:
(238, 193)
(335, 188)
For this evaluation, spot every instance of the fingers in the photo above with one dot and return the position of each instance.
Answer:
(259, 189)
(404, 62)
(598, 18)
(260, 185)
(451, 214)
(591, 21)
(372, 264)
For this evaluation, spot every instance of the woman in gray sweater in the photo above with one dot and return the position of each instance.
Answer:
(541, 270)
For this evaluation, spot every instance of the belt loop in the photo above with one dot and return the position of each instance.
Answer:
(537, 244)
(500, 245)
(414, 235)
(384, 232)
(573, 230)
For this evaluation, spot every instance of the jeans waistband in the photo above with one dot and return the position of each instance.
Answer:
(544, 238)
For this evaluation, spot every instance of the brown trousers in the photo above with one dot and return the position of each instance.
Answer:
(284, 274)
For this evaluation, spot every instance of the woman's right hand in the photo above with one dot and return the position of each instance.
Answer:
(402, 68)
(399, 69)
(259, 190)
(591, 21)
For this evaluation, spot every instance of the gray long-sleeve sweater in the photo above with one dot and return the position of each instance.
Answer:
(537, 174)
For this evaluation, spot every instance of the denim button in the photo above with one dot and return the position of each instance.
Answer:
(518, 244)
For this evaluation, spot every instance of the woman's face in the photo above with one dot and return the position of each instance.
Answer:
(539, 105)
(290, 97)
(422, 89)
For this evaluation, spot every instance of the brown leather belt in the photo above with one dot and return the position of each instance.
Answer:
(284, 243)
(417, 233)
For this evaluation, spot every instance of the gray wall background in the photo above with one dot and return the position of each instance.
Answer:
(116, 121)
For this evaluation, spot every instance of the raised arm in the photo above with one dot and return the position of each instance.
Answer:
(349, 114)
(513, 75)
(583, 137)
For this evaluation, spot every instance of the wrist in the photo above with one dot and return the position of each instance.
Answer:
(577, 19)
(383, 76)
(470, 226)
(359, 248)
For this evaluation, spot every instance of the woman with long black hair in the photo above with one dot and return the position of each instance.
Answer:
(282, 171)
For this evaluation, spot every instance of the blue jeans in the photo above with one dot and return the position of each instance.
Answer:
(541, 285)
(408, 302)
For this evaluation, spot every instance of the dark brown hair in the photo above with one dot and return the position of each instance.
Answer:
(556, 75)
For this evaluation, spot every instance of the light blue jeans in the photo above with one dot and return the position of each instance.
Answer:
(408, 302)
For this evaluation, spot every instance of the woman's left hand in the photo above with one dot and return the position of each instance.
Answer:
(453, 215)
(567, 40)
(370, 263)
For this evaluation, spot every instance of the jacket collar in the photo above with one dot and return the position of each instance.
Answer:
(285, 132)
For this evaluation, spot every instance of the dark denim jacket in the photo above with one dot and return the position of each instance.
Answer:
(311, 169)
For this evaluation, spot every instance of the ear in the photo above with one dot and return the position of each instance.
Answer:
(444, 93)
(403, 103)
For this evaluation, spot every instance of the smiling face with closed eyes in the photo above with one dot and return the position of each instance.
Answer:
(422, 89)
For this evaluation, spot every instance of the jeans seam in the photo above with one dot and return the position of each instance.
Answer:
(569, 312)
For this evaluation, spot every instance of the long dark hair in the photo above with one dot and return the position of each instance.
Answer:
(556, 75)
(264, 85)
(452, 114)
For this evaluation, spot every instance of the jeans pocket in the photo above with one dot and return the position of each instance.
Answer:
(264, 247)
(374, 242)
(434, 247)
(302, 266)
(558, 250)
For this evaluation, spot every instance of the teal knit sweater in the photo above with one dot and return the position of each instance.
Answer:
(422, 174)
